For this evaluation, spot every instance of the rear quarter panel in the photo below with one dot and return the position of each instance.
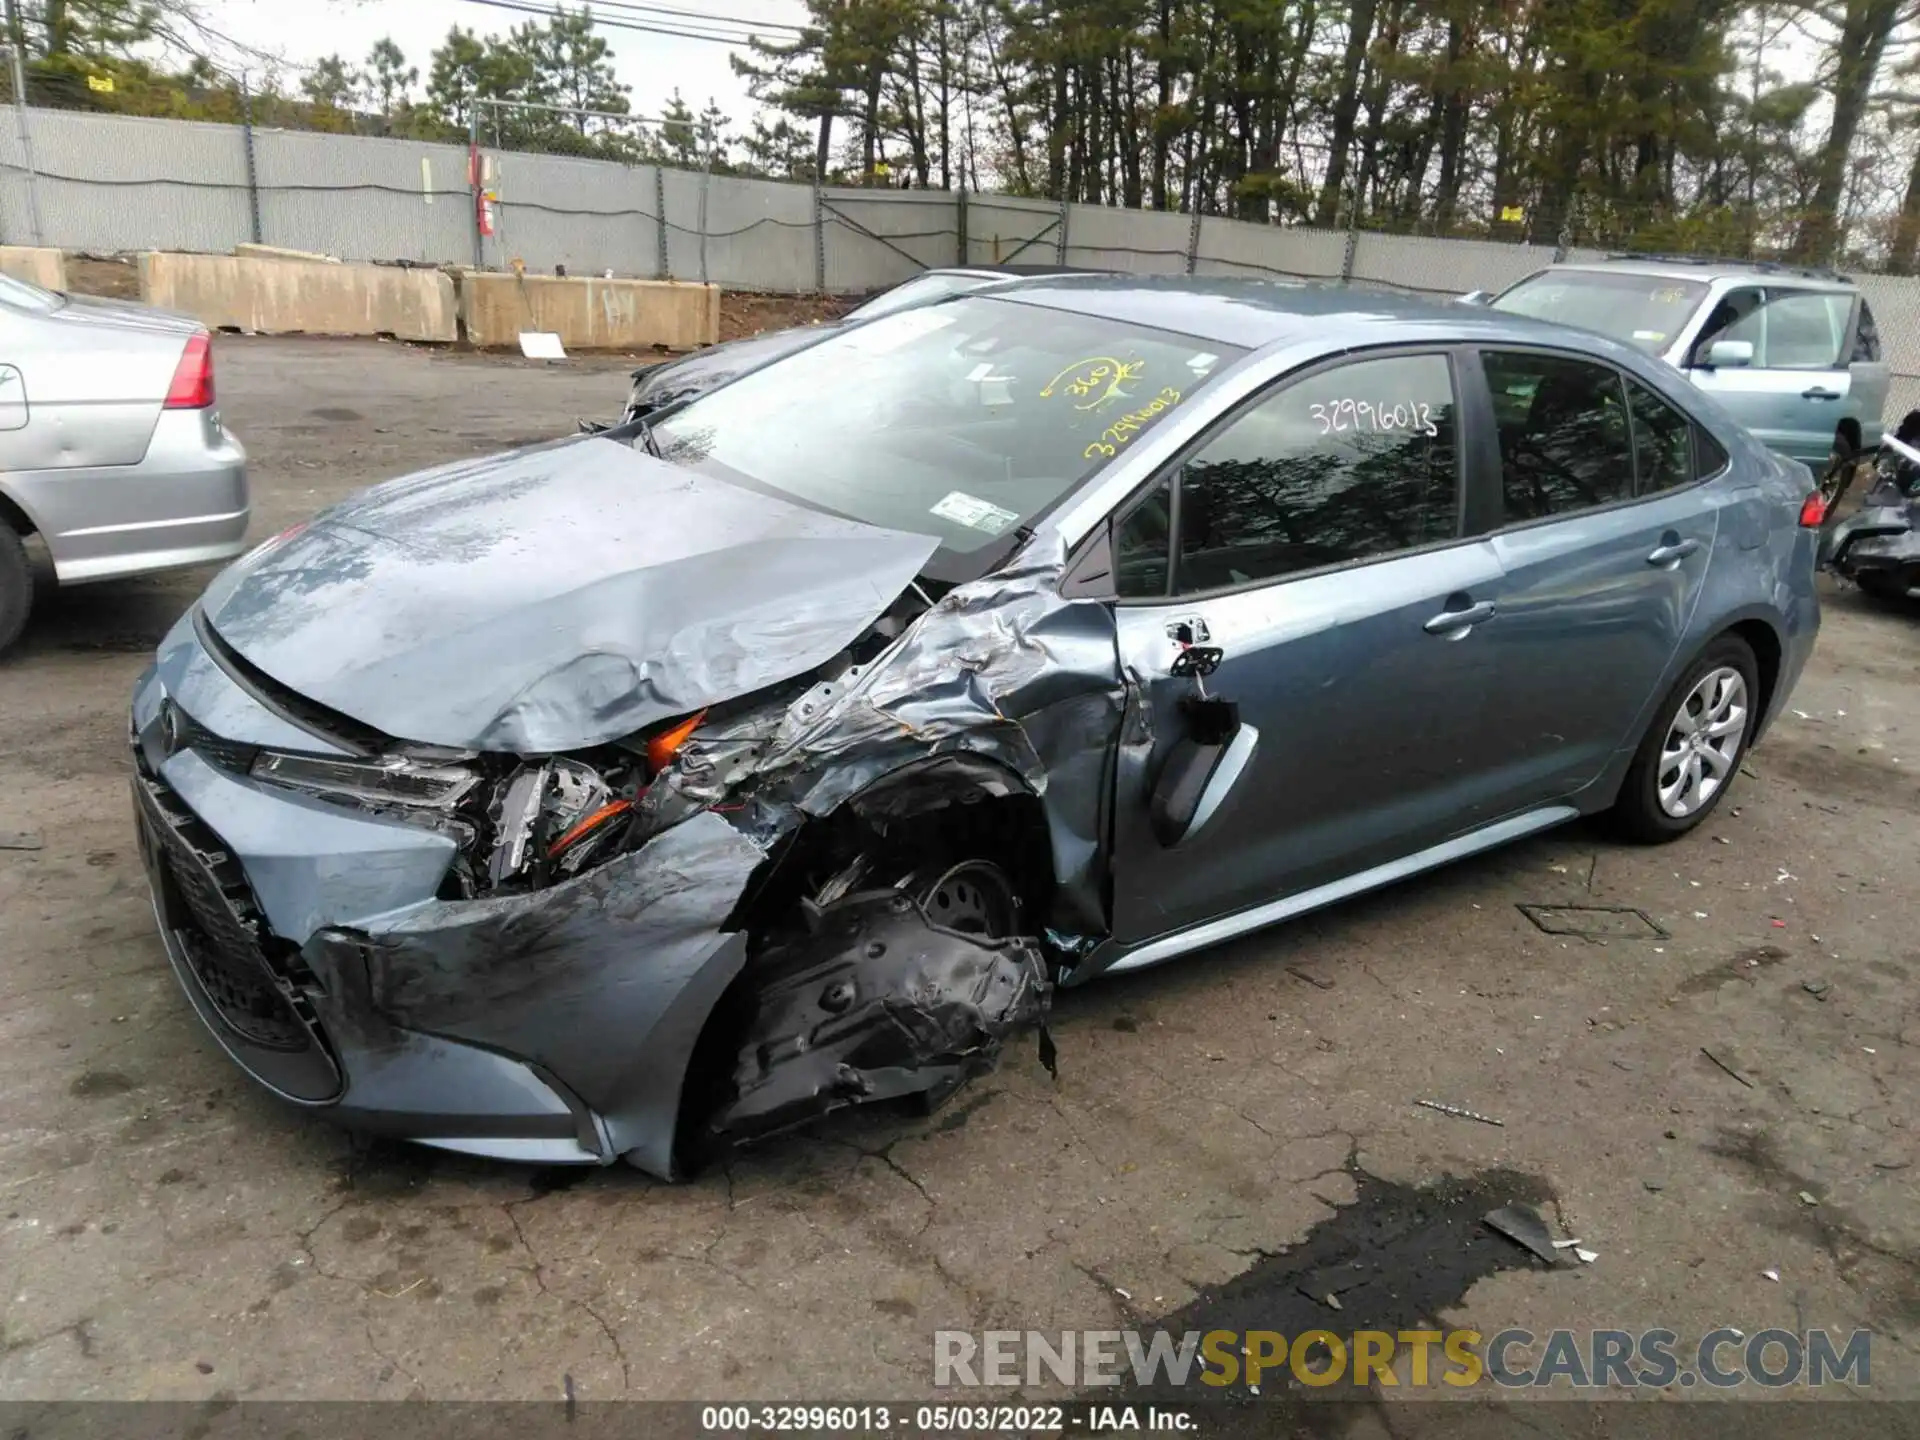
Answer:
(94, 388)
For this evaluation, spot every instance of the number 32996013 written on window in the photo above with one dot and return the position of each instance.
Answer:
(1350, 414)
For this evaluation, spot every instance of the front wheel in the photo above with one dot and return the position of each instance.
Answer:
(1690, 753)
(16, 586)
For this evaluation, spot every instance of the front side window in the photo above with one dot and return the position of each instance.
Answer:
(1805, 329)
(1351, 463)
(1564, 440)
(961, 420)
(1735, 316)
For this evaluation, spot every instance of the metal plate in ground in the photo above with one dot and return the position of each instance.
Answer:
(1594, 922)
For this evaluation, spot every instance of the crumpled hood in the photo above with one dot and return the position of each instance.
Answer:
(554, 598)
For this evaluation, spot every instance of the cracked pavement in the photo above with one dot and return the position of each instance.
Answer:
(166, 1231)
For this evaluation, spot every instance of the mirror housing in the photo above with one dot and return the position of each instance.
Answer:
(1729, 355)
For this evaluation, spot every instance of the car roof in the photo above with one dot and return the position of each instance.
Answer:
(1250, 313)
(1680, 267)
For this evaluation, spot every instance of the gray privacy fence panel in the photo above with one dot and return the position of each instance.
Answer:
(1142, 242)
(124, 182)
(682, 190)
(877, 238)
(1239, 247)
(588, 215)
(760, 234)
(362, 198)
(1444, 267)
(1004, 229)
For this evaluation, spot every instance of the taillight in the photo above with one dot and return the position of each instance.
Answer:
(192, 387)
(1813, 511)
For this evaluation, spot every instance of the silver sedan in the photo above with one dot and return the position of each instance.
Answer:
(111, 449)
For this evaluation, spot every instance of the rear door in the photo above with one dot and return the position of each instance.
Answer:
(1314, 537)
(1604, 538)
(1869, 376)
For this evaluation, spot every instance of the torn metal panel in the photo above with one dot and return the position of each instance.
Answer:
(878, 1002)
(428, 607)
(604, 980)
(1003, 668)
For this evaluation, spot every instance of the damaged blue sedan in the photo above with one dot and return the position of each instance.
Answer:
(645, 793)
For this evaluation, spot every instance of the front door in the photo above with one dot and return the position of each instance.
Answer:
(1313, 539)
(1604, 546)
(1797, 389)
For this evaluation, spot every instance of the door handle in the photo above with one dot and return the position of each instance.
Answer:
(1818, 393)
(1453, 623)
(1672, 554)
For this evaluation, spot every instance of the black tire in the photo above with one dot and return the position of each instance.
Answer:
(16, 587)
(1638, 813)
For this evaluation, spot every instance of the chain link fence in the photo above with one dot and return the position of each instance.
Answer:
(106, 183)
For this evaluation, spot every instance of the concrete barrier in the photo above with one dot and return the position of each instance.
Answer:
(40, 264)
(285, 297)
(588, 313)
(247, 250)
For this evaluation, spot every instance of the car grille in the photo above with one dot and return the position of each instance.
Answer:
(219, 927)
(229, 755)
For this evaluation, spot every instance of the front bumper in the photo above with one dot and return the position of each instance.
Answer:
(310, 940)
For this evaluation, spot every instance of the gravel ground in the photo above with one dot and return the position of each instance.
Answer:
(167, 1231)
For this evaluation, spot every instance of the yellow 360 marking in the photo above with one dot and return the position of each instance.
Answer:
(1098, 376)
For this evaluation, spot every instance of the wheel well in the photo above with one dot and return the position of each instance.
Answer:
(12, 515)
(951, 807)
(1849, 431)
(1765, 644)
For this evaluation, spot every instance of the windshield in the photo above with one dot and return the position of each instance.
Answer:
(921, 290)
(961, 420)
(1644, 310)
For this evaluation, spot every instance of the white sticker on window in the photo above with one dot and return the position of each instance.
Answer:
(1649, 334)
(973, 512)
(1201, 363)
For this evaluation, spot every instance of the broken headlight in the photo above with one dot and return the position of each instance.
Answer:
(381, 781)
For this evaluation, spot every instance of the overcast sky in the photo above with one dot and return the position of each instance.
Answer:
(651, 65)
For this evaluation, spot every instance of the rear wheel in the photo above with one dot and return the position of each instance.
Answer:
(16, 586)
(1690, 753)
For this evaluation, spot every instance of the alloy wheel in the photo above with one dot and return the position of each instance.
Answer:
(1703, 742)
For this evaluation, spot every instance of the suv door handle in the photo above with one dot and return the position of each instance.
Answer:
(1818, 393)
(1672, 554)
(1454, 623)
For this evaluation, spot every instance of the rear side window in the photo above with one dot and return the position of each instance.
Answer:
(1866, 339)
(1352, 463)
(1662, 442)
(1565, 442)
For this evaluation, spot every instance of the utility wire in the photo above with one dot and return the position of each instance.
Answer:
(526, 7)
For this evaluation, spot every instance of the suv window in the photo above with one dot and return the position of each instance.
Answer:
(1866, 339)
(1143, 544)
(1788, 329)
(1805, 329)
(1351, 463)
(1564, 435)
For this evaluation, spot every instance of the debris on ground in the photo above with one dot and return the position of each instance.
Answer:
(1817, 988)
(1460, 1112)
(1807, 1197)
(1586, 1257)
(1726, 1067)
(1525, 1226)
(1318, 981)
(1773, 1275)
(19, 840)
